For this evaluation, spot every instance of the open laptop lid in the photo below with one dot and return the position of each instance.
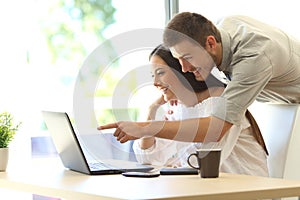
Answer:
(68, 146)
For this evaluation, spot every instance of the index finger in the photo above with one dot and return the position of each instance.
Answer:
(108, 126)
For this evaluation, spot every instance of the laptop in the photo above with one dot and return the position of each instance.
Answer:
(72, 154)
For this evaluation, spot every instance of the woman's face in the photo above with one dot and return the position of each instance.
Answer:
(165, 79)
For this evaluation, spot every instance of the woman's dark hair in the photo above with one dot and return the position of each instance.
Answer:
(187, 79)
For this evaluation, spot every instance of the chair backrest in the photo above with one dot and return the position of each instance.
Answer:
(292, 164)
(280, 127)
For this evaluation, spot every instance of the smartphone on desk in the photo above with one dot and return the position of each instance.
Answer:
(178, 171)
(141, 174)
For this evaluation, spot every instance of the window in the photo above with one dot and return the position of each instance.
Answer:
(44, 46)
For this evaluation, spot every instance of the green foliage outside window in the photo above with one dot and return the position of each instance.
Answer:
(72, 27)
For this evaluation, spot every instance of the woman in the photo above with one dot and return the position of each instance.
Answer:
(243, 148)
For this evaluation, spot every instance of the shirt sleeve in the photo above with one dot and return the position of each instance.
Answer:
(249, 77)
(164, 152)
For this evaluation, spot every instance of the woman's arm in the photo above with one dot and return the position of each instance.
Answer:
(147, 142)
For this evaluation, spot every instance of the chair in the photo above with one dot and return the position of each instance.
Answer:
(280, 126)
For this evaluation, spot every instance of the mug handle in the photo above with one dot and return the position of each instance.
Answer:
(188, 161)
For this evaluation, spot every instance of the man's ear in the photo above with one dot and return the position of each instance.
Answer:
(211, 43)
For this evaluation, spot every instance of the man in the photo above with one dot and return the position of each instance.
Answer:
(262, 62)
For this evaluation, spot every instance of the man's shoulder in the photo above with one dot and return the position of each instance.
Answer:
(236, 19)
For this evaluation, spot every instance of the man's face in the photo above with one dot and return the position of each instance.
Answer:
(193, 58)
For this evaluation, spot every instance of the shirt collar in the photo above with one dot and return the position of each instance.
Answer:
(226, 51)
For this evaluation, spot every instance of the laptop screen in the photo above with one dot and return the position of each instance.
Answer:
(77, 150)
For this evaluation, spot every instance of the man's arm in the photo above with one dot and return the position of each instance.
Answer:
(208, 129)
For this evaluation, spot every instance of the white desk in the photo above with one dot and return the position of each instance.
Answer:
(48, 177)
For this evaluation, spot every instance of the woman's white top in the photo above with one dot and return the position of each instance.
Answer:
(241, 153)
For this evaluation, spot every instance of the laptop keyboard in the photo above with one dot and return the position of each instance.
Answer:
(97, 165)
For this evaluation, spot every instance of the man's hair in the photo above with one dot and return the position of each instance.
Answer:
(189, 25)
(187, 79)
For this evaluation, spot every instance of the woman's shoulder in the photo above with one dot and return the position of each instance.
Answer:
(211, 100)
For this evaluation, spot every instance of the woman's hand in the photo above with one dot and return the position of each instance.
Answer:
(154, 106)
(147, 142)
